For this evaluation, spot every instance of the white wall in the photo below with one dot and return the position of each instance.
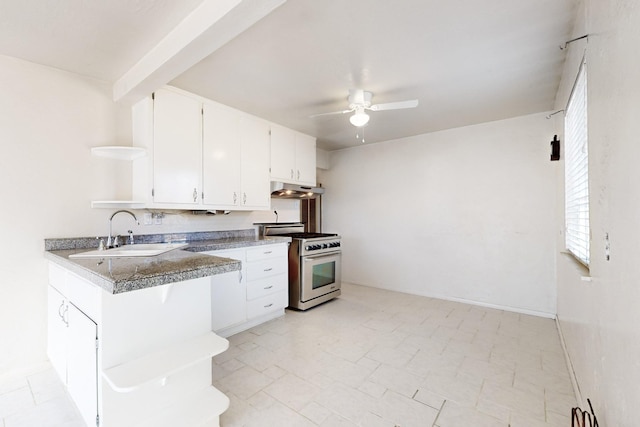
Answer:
(49, 119)
(464, 214)
(600, 319)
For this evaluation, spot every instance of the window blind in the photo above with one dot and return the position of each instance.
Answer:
(577, 233)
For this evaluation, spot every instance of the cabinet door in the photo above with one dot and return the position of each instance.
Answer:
(220, 156)
(228, 294)
(57, 333)
(255, 158)
(283, 154)
(177, 148)
(305, 159)
(82, 368)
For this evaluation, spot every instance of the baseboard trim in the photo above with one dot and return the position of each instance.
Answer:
(466, 301)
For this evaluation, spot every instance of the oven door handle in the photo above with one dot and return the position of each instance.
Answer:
(319, 256)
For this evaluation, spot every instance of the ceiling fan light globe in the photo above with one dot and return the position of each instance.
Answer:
(359, 119)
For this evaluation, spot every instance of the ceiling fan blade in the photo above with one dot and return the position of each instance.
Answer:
(330, 114)
(395, 105)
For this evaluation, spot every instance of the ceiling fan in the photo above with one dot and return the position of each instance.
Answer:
(360, 102)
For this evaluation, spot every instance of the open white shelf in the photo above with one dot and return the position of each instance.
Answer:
(157, 366)
(117, 204)
(200, 409)
(119, 152)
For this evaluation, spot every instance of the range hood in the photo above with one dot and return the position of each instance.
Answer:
(283, 190)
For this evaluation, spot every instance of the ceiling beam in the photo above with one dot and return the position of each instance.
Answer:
(209, 27)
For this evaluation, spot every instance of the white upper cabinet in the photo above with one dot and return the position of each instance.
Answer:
(202, 155)
(255, 150)
(293, 156)
(221, 156)
(177, 148)
(306, 159)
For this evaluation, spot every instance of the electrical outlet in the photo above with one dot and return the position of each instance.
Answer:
(157, 218)
(147, 219)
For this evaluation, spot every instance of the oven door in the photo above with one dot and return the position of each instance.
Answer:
(321, 274)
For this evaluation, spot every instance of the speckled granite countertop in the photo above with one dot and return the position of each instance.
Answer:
(117, 275)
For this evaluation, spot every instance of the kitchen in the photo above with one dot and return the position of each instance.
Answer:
(51, 119)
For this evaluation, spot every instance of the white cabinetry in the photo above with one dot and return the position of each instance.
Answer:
(139, 358)
(177, 148)
(235, 159)
(258, 295)
(293, 156)
(72, 347)
(228, 295)
(221, 156)
(203, 155)
(254, 141)
(267, 280)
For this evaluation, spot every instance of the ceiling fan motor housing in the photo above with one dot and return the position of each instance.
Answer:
(359, 97)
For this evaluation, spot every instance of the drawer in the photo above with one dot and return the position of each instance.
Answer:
(58, 278)
(266, 268)
(267, 252)
(267, 304)
(85, 296)
(266, 286)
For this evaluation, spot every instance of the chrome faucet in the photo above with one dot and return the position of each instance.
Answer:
(115, 241)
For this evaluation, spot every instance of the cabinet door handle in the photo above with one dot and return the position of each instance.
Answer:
(195, 195)
(268, 269)
(60, 310)
(291, 173)
(244, 198)
(240, 276)
(235, 197)
(268, 305)
(268, 287)
(64, 312)
(298, 174)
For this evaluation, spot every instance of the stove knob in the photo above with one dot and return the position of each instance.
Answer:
(307, 248)
(325, 246)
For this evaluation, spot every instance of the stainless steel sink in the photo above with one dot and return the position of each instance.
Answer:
(139, 250)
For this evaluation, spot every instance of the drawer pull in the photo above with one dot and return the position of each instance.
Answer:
(268, 269)
(268, 252)
(268, 287)
(268, 305)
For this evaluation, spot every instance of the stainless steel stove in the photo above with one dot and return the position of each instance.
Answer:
(315, 263)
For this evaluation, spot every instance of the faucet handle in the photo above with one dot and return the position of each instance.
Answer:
(100, 243)
(116, 242)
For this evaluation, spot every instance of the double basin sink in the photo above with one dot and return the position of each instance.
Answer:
(137, 250)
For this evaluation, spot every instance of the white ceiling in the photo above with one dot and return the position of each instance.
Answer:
(467, 61)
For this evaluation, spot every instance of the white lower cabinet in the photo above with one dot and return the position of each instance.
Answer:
(140, 358)
(73, 354)
(228, 295)
(259, 294)
(82, 364)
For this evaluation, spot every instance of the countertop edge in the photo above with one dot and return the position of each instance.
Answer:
(112, 286)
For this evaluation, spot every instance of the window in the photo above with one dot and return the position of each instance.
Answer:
(577, 170)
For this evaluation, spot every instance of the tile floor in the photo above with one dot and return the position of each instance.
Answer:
(376, 358)
(370, 358)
